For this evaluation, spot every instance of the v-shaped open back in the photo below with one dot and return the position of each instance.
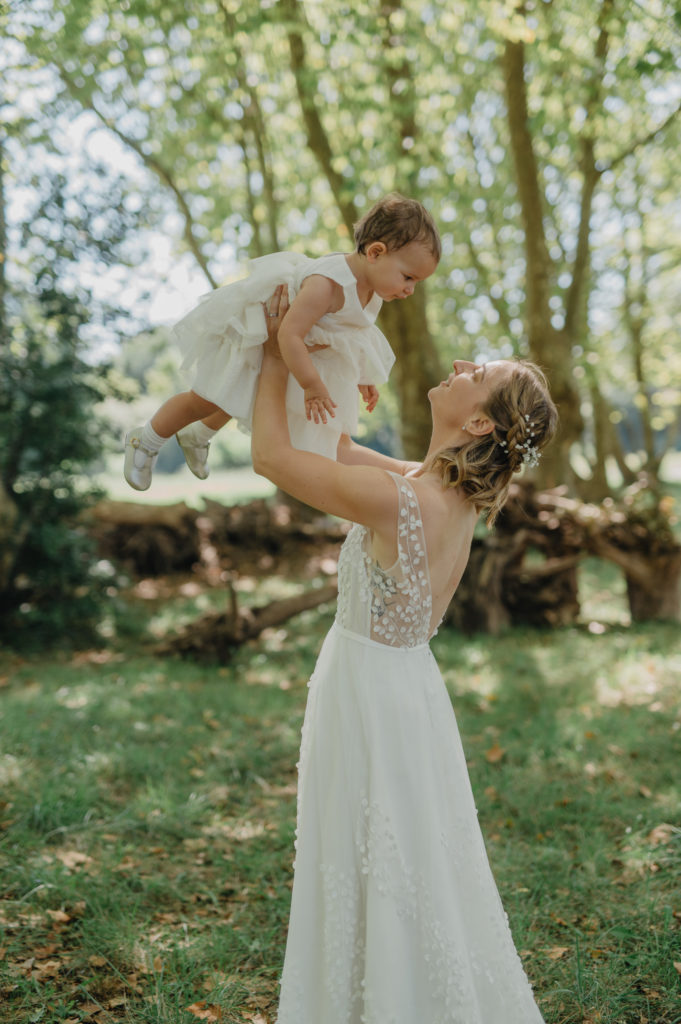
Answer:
(391, 606)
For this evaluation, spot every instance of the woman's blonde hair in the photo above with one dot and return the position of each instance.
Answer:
(524, 419)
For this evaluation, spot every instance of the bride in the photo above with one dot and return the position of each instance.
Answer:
(395, 916)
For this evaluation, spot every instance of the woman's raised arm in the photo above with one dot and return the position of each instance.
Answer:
(350, 453)
(362, 494)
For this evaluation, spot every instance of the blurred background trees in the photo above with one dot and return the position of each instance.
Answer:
(541, 136)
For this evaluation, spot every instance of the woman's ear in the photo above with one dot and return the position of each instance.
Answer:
(374, 250)
(478, 425)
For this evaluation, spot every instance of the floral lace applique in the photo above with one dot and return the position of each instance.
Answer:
(392, 606)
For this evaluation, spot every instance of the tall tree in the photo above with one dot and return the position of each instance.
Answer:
(278, 123)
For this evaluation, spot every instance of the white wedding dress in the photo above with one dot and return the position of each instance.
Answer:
(395, 916)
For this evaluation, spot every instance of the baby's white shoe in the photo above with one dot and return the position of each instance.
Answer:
(139, 460)
(195, 451)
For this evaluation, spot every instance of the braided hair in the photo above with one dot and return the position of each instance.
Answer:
(525, 420)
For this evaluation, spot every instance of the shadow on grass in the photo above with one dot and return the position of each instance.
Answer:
(148, 809)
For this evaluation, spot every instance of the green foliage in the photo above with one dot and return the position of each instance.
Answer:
(51, 586)
(255, 153)
(51, 435)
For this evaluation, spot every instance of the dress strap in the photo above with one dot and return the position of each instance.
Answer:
(335, 267)
(411, 540)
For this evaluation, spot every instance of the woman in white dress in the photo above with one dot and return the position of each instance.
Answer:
(395, 916)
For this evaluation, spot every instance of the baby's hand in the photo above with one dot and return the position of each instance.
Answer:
(369, 393)
(318, 402)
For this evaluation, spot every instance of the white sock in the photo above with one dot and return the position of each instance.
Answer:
(150, 439)
(200, 433)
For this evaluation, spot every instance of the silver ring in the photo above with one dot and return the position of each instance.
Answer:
(273, 314)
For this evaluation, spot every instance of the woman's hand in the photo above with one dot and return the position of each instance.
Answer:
(275, 309)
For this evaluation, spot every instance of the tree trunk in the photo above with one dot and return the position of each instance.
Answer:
(417, 368)
(549, 347)
(405, 323)
(658, 597)
(652, 576)
(4, 331)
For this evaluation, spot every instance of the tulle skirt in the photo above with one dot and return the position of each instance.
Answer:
(395, 915)
(222, 339)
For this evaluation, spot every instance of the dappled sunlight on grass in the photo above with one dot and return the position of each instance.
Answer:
(151, 802)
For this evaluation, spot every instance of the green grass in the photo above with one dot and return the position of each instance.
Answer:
(228, 485)
(147, 811)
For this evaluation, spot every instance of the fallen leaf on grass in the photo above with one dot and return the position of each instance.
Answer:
(677, 966)
(73, 859)
(494, 754)
(59, 916)
(556, 952)
(46, 969)
(661, 834)
(89, 1008)
(97, 961)
(43, 952)
(205, 1011)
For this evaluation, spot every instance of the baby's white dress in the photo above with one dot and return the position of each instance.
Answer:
(223, 336)
(395, 915)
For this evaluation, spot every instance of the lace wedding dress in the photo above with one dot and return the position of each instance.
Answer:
(395, 916)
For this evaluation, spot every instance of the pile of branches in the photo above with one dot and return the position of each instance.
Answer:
(524, 572)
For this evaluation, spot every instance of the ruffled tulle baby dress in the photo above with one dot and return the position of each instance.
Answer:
(222, 340)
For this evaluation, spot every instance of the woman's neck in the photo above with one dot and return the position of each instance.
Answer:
(440, 440)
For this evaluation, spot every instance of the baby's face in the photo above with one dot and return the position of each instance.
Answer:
(395, 274)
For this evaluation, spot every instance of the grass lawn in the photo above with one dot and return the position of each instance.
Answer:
(147, 810)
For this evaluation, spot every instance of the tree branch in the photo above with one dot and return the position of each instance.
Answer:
(643, 140)
(575, 293)
(154, 165)
(527, 180)
(317, 138)
(253, 117)
(401, 103)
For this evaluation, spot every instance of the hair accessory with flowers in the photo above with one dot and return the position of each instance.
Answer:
(530, 454)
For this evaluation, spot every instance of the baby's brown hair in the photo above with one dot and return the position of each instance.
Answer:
(396, 221)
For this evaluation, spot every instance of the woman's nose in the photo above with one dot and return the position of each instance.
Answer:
(461, 366)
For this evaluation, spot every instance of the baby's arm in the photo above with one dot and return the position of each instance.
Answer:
(369, 393)
(352, 454)
(317, 296)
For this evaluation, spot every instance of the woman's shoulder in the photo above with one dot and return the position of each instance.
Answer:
(441, 508)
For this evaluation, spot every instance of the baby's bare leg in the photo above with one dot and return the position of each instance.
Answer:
(187, 407)
(216, 420)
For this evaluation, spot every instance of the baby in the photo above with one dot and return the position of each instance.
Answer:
(328, 339)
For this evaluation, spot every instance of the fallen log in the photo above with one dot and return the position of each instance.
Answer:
(147, 540)
(214, 636)
(524, 572)
(155, 540)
